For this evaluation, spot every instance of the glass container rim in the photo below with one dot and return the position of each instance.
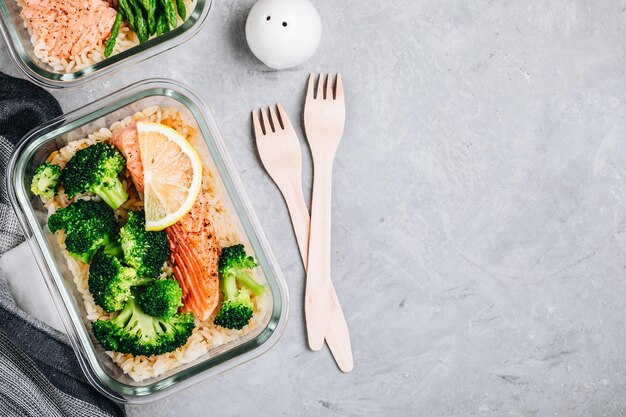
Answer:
(50, 79)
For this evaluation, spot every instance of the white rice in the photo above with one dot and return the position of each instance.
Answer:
(126, 39)
(206, 335)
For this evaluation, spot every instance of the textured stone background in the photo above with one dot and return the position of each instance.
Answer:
(479, 223)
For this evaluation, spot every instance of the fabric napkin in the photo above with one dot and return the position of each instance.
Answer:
(27, 287)
(39, 373)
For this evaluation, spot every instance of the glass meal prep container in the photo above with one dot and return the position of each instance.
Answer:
(99, 368)
(21, 49)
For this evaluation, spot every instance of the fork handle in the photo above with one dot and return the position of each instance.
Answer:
(316, 300)
(337, 333)
(299, 213)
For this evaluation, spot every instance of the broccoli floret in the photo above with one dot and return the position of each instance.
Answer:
(115, 249)
(144, 251)
(95, 169)
(161, 298)
(237, 308)
(235, 262)
(88, 225)
(237, 311)
(46, 180)
(138, 333)
(110, 282)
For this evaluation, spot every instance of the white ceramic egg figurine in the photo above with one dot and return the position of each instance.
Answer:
(283, 33)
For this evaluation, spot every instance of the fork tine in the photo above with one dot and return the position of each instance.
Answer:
(257, 125)
(309, 88)
(329, 87)
(283, 117)
(319, 95)
(266, 122)
(274, 119)
(338, 88)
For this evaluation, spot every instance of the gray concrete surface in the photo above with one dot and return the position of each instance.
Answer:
(479, 240)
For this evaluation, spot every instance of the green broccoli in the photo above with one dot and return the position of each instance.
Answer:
(115, 249)
(46, 180)
(237, 308)
(161, 298)
(88, 224)
(234, 262)
(144, 251)
(110, 282)
(137, 333)
(95, 169)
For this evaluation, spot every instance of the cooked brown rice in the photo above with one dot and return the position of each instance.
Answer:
(206, 335)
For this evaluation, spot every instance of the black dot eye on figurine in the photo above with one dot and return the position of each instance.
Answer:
(268, 17)
(284, 24)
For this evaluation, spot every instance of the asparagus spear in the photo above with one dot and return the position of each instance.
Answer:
(149, 8)
(141, 23)
(142, 27)
(180, 6)
(114, 31)
(162, 25)
(170, 12)
(152, 16)
(128, 13)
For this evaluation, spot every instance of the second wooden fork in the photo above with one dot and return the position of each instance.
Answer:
(324, 119)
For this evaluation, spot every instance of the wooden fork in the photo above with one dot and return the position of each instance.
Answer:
(280, 153)
(324, 119)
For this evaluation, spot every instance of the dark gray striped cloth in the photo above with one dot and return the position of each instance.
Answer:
(39, 374)
(19, 113)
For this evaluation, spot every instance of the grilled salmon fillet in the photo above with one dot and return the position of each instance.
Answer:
(69, 28)
(127, 141)
(195, 255)
(195, 249)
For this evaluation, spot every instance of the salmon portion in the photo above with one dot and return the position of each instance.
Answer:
(195, 249)
(69, 28)
(195, 255)
(127, 141)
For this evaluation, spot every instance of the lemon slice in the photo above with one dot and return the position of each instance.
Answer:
(172, 174)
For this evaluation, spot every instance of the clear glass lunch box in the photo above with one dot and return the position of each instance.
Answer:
(21, 49)
(99, 368)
